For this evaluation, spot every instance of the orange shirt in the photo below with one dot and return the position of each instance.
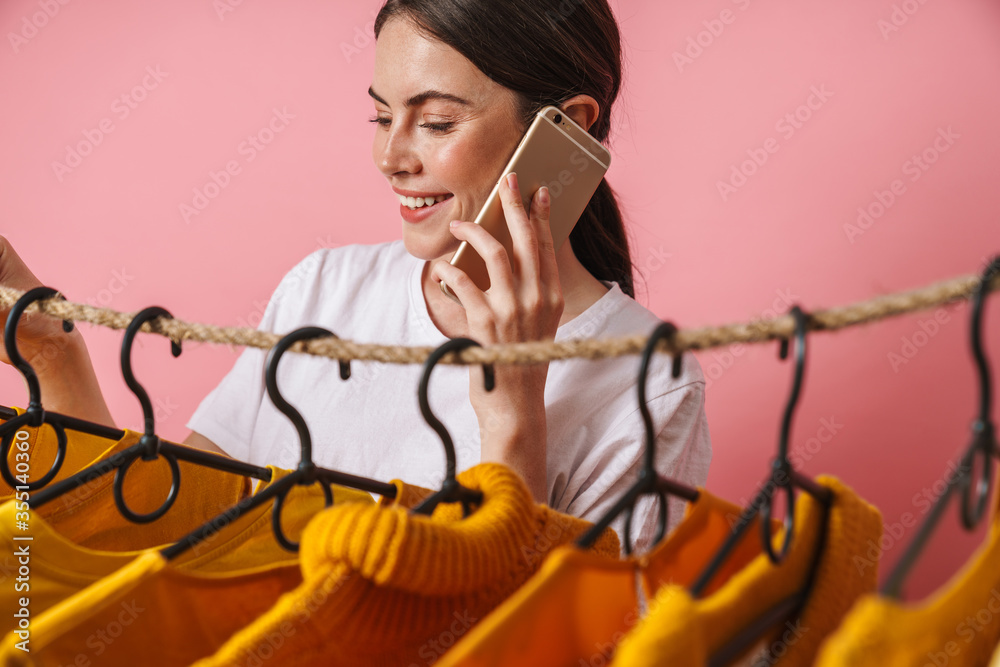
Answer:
(681, 631)
(579, 605)
(129, 609)
(958, 626)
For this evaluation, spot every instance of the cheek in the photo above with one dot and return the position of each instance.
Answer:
(378, 145)
(468, 165)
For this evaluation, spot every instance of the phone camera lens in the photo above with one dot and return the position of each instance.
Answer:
(557, 118)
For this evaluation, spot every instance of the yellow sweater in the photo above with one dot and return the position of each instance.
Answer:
(138, 609)
(580, 605)
(41, 445)
(680, 631)
(958, 626)
(385, 587)
(86, 515)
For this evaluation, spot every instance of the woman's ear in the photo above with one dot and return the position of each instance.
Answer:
(583, 109)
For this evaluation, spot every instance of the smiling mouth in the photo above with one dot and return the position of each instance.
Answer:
(413, 203)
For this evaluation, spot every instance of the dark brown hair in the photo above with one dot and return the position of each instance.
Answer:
(546, 51)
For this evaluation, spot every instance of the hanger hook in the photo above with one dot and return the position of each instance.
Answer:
(271, 382)
(801, 322)
(663, 331)
(10, 344)
(781, 468)
(149, 439)
(489, 381)
(149, 442)
(975, 501)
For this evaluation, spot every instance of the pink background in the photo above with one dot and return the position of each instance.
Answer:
(109, 230)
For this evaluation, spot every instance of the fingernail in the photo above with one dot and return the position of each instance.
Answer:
(512, 181)
(543, 195)
(454, 223)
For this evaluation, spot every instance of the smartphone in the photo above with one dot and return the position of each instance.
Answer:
(557, 153)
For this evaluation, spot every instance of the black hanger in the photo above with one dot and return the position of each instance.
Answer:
(783, 476)
(305, 474)
(149, 447)
(984, 444)
(451, 491)
(34, 415)
(650, 482)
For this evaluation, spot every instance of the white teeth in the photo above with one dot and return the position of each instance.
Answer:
(418, 202)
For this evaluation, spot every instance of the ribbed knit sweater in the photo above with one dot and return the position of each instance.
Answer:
(382, 586)
(958, 626)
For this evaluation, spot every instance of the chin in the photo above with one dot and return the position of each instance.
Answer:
(428, 248)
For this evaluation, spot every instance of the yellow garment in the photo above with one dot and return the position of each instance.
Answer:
(176, 612)
(61, 568)
(579, 606)
(958, 626)
(681, 631)
(386, 587)
(87, 515)
(407, 495)
(81, 450)
(150, 614)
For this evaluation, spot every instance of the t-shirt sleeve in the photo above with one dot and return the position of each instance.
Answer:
(683, 453)
(228, 414)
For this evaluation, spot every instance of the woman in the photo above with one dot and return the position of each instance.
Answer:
(455, 85)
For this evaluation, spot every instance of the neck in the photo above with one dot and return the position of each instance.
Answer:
(580, 288)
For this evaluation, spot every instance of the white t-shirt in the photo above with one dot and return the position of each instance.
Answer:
(370, 425)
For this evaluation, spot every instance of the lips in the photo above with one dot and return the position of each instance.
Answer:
(419, 202)
(415, 215)
(416, 206)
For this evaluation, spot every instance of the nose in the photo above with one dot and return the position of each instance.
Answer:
(396, 152)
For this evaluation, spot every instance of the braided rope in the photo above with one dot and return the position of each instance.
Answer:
(755, 331)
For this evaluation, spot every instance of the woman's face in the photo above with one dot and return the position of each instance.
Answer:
(444, 131)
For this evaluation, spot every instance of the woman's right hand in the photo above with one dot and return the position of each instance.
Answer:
(38, 336)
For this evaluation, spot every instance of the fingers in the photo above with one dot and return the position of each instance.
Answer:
(541, 208)
(525, 298)
(531, 236)
(522, 233)
(473, 299)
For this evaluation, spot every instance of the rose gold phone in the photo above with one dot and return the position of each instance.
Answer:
(555, 152)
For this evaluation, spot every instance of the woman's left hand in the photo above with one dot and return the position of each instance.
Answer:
(524, 303)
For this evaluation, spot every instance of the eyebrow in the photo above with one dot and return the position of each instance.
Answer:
(420, 98)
